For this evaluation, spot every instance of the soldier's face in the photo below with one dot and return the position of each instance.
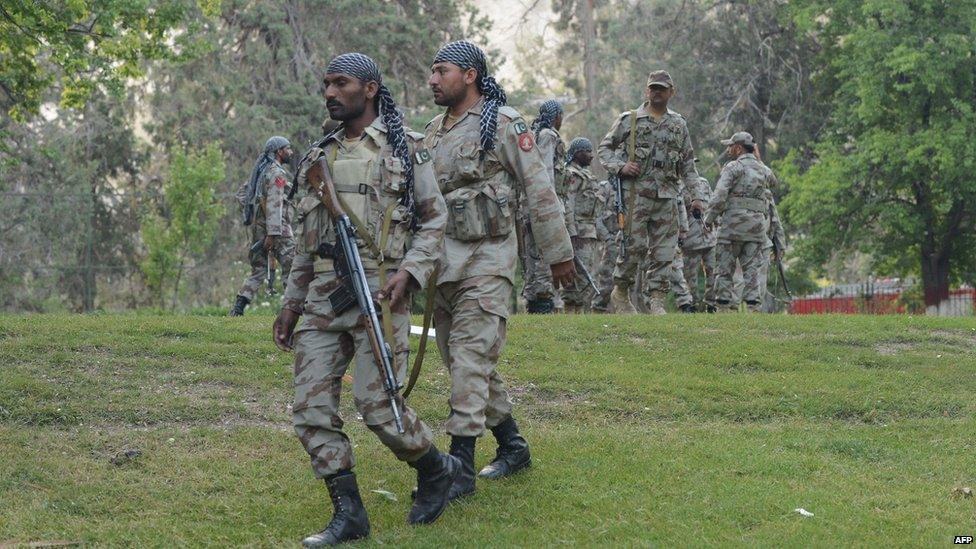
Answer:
(449, 83)
(585, 158)
(659, 96)
(285, 154)
(345, 96)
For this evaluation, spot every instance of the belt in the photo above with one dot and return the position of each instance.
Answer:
(746, 203)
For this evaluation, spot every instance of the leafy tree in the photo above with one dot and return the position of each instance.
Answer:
(188, 221)
(892, 174)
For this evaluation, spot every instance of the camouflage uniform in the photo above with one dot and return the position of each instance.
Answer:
(698, 248)
(666, 157)
(480, 250)
(273, 218)
(683, 297)
(582, 198)
(606, 232)
(741, 199)
(776, 234)
(369, 181)
(538, 276)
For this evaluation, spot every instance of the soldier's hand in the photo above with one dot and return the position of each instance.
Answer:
(696, 209)
(284, 328)
(575, 241)
(563, 274)
(269, 242)
(630, 169)
(395, 288)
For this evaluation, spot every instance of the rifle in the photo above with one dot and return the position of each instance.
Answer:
(271, 265)
(619, 206)
(355, 287)
(581, 269)
(779, 266)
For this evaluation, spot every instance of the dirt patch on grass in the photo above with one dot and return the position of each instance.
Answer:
(892, 348)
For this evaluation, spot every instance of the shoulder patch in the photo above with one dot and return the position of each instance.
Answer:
(280, 182)
(520, 127)
(525, 141)
(416, 136)
(421, 156)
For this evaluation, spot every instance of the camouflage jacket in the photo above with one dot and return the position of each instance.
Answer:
(662, 150)
(275, 215)
(480, 239)
(741, 199)
(370, 190)
(553, 152)
(606, 220)
(581, 191)
(697, 238)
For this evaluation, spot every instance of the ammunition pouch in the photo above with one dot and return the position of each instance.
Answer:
(477, 213)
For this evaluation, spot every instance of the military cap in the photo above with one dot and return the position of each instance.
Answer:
(659, 78)
(742, 138)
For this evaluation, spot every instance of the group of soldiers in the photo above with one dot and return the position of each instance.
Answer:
(454, 210)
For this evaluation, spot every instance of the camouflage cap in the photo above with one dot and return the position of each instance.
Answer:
(659, 78)
(742, 138)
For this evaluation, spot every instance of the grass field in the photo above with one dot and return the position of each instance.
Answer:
(682, 430)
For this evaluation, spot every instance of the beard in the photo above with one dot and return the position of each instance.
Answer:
(343, 113)
(449, 98)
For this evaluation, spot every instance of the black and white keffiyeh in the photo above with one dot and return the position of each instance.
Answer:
(274, 144)
(466, 55)
(548, 111)
(577, 145)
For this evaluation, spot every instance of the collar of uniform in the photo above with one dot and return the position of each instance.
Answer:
(476, 109)
(747, 155)
(643, 112)
(374, 131)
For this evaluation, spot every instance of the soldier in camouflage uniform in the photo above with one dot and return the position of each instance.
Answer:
(582, 199)
(663, 157)
(741, 199)
(267, 194)
(698, 250)
(683, 297)
(538, 291)
(606, 233)
(482, 151)
(774, 246)
(385, 181)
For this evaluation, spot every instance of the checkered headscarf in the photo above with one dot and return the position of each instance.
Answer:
(466, 55)
(365, 69)
(548, 111)
(577, 145)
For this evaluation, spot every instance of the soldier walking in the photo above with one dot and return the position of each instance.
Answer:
(385, 183)
(650, 150)
(583, 200)
(606, 233)
(268, 211)
(741, 198)
(483, 149)
(698, 249)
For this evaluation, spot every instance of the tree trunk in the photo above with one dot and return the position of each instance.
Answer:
(935, 281)
(589, 55)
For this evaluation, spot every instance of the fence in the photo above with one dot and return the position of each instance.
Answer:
(880, 296)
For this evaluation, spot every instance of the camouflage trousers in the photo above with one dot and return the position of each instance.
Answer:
(651, 244)
(283, 251)
(536, 272)
(696, 263)
(682, 293)
(749, 257)
(471, 318)
(603, 275)
(581, 295)
(324, 348)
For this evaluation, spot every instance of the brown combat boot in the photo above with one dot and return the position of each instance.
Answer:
(655, 303)
(620, 301)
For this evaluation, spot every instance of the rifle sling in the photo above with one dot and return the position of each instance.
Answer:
(631, 157)
(418, 361)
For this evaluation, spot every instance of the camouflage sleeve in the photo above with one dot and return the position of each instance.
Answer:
(425, 247)
(717, 204)
(547, 150)
(274, 208)
(573, 183)
(687, 170)
(302, 272)
(612, 155)
(682, 215)
(520, 157)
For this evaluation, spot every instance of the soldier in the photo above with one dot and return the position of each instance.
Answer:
(650, 149)
(482, 149)
(698, 250)
(683, 297)
(606, 233)
(385, 182)
(741, 199)
(538, 291)
(582, 196)
(773, 247)
(266, 199)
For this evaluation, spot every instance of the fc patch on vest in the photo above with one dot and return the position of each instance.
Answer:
(280, 182)
(520, 127)
(526, 142)
(423, 155)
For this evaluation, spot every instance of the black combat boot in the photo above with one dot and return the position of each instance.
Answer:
(239, 305)
(687, 308)
(349, 520)
(436, 473)
(539, 306)
(463, 449)
(513, 452)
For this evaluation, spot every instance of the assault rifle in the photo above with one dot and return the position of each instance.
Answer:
(355, 287)
(584, 274)
(271, 265)
(779, 265)
(619, 206)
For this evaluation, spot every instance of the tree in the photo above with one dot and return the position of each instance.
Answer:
(892, 174)
(188, 221)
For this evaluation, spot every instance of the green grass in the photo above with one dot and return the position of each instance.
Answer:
(682, 430)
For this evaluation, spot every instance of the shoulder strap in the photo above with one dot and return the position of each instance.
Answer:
(418, 361)
(632, 138)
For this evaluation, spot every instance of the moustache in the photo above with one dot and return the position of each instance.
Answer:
(332, 103)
